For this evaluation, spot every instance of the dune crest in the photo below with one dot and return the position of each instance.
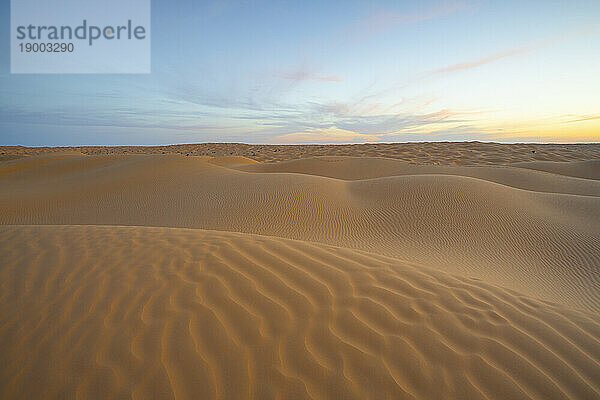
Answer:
(588, 169)
(360, 168)
(140, 312)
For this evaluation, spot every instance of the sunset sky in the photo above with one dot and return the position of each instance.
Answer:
(329, 72)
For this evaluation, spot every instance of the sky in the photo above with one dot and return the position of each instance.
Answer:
(328, 72)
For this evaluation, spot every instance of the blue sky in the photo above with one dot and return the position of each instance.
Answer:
(329, 72)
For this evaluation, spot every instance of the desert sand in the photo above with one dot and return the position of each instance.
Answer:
(449, 270)
(444, 153)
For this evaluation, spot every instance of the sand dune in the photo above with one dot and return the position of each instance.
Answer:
(543, 243)
(354, 168)
(589, 169)
(140, 312)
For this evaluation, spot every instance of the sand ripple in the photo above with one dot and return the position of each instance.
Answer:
(119, 312)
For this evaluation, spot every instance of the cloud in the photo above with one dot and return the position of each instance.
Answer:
(381, 21)
(364, 108)
(584, 118)
(438, 115)
(548, 42)
(482, 61)
(305, 75)
(331, 134)
(335, 108)
(316, 127)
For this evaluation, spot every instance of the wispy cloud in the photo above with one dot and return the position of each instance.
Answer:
(364, 108)
(584, 118)
(438, 115)
(482, 61)
(331, 134)
(304, 75)
(554, 40)
(304, 71)
(334, 108)
(384, 20)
